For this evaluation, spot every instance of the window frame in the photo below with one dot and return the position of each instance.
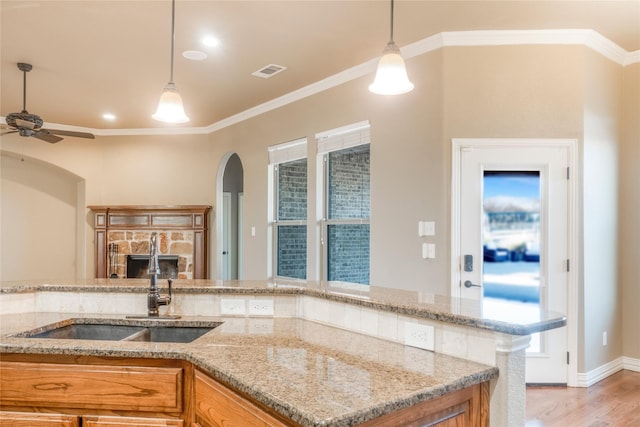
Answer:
(351, 136)
(278, 155)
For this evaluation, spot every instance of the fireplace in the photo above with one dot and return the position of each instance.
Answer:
(138, 266)
(122, 240)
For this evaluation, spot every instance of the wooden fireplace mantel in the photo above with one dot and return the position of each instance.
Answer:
(194, 218)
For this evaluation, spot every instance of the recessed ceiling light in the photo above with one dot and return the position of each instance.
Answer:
(109, 116)
(210, 41)
(194, 55)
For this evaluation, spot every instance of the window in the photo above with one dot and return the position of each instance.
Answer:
(289, 168)
(345, 155)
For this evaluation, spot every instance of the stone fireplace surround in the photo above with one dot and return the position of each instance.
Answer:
(182, 231)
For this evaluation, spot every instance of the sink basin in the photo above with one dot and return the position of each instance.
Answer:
(168, 334)
(88, 332)
(124, 330)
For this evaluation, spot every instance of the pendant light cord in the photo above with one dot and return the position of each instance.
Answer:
(391, 15)
(173, 21)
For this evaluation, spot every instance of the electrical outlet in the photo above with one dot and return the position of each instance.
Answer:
(604, 338)
(233, 307)
(421, 336)
(261, 307)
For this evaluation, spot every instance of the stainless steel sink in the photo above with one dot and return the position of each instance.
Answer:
(124, 330)
(88, 332)
(168, 334)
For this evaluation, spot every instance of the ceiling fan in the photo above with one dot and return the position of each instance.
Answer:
(27, 124)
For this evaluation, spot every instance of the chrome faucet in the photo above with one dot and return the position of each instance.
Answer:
(154, 300)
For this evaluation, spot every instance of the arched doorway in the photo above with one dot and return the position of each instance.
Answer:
(229, 207)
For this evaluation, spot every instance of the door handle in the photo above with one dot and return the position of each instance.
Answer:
(224, 252)
(468, 284)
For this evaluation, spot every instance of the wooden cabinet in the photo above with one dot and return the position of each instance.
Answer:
(217, 406)
(132, 388)
(24, 419)
(468, 407)
(67, 391)
(34, 419)
(93, 391)
(105, 421)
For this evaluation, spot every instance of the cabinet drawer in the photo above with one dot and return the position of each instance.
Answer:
(133, 388)
(106, 421)
(25, 419)
(216, 406)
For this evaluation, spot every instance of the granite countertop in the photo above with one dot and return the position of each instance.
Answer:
(314, 374)
(458, 311)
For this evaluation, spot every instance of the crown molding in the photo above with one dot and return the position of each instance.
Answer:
(581, 37)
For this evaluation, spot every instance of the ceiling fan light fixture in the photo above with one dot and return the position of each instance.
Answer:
(391, 75)
(170, 108)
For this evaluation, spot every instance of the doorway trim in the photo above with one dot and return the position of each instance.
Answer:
(460, 144)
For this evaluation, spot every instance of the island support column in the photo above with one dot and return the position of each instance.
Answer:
(508, 394)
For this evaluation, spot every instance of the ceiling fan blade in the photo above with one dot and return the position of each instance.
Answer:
(8, 132)
(69, 133)
(24, 124)
(45, 136)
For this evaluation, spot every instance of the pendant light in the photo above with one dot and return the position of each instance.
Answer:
(391, 76)
(170, 109)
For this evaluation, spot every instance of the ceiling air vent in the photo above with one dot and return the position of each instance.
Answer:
(269, 71)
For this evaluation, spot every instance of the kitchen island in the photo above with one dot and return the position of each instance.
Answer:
(309, 353)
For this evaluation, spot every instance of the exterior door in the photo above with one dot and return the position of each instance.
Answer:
(512, 235)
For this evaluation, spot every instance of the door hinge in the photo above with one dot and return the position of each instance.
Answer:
(567, 357)
(568, 265)
(568, 172)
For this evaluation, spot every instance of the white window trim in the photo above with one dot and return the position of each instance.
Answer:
(278, 154)
(288, 151)
(337, 139)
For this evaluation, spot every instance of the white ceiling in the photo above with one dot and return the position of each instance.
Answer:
(92, 57)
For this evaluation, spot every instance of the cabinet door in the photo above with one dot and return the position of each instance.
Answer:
(25, 419)
(457, 421)
(217, 406)
(106, 421)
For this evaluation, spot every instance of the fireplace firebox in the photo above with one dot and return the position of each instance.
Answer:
(138, 266)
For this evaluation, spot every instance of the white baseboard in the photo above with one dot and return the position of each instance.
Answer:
(589, 378)
(631, 364)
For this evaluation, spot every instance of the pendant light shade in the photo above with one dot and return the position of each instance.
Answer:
(391, 76)
(170, 108)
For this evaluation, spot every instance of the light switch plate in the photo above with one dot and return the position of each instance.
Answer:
(426, 228)
(428, 250)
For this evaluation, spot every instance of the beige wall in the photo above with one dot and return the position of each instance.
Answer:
(148, 170)
(629, 227)
(601, 286)
(509, 91)
(37, 242)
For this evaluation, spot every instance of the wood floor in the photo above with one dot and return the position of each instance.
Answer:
(613, 402)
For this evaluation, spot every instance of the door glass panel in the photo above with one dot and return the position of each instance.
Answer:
(511, 243)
